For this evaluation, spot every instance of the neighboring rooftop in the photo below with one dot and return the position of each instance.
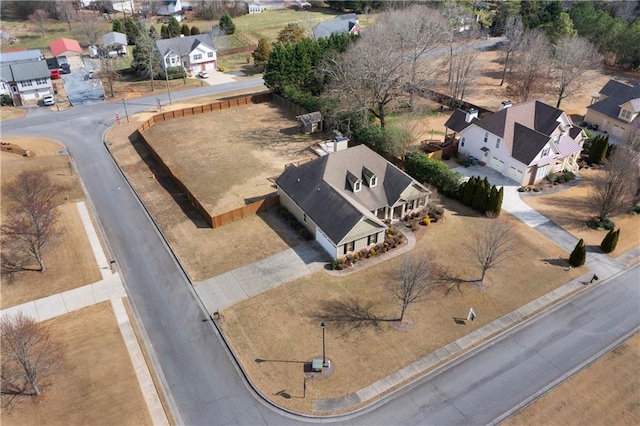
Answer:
(616, 93)
(62, 45)
(20, 56)
(337, 25)
(114, 38)
(22, 71)
(183, 44)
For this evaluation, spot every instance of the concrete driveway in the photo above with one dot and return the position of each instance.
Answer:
(216, 77)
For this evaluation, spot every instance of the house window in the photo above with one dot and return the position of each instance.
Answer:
(197, 56)
(304, 217)
(210, 55)
(542, 172)
(374, 181)
(486, 137)
(373, 239)
(41, 81)
(462, 142)
(173, 61)
(545, 152)
(626, 114)
(498, 143)
(348, 247)
(26, 83)
(357, 186)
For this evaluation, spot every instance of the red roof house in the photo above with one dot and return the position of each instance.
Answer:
(65, 47)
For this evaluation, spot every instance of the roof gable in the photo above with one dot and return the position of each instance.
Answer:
(62, 45)
(114, 37)
(183, 45)
(616, 93)
(527, 143)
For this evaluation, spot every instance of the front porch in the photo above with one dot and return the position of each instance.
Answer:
(399, 210)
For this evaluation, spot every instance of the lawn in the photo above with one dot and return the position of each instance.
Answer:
(198, 246)
(608, 390)
(70, 262)
(11, 113)
(97, 386)
(567, 209)
(282, 325)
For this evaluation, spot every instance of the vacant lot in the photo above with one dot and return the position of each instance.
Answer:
(282, 324)
(207, 252)
(605, 393)
(97, 386)
(568, 209)
(69, 259)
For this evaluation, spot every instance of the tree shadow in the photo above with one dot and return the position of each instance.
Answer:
(449, 281)
(557, 262)
(351, 315)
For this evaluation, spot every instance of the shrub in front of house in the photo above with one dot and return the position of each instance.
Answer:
(600, 225)
(610, 241)
(579, 254)
(394, 238)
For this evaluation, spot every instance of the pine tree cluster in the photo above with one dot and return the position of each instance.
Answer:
(480, 195)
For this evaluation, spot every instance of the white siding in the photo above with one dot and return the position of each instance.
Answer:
(326, 244)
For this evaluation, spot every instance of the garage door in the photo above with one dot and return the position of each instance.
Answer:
(617, 131)
(515, 174)
(496, 164)
(210, 66)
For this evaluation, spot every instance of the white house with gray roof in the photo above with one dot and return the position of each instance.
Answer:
(347, 198)
(25, 81)
(348, 23)
(195, 53)
(525, 142)
(115, 43)
(616, 108)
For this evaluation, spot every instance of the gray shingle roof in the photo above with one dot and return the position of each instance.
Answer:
(312, 117)
(25, 71)
(325, 29)
(322, 190)
(114, 38)
(527, 143)
(617, 94)
(183, 44)
(457, 121)
(27, 55)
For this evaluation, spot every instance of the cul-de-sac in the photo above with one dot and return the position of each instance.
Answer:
(274, 212)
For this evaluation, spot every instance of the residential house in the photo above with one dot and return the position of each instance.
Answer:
(255, 7)
(65, 47)
(25, 81)
(615, 108)
(115, 44)
(525, 142)
(348, 23)
(195, 53)
(171, 8)
(15, 57)
(347, 198)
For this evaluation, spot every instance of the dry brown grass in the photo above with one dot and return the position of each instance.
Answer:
(283, 323)
(99, 386)
(11, 113)
(207, 252)
(605, 393)
(70, 262)
(567, 209)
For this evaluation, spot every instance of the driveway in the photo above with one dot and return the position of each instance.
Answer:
(217, 77)
(80, 88)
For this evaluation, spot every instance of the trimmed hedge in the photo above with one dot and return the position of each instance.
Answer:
(433, 172)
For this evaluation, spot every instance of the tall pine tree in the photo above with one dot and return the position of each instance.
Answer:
(579, 254)
(610, 241)
(470, 191)
(498, 204)
(479, 198)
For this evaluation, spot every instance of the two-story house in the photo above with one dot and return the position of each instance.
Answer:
(525, 142)
(194, 53)
(171, 8)
(347, 198)
(615, 108)
(24, 76)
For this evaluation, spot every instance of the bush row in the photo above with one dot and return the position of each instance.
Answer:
(393, 238)
(293, 222)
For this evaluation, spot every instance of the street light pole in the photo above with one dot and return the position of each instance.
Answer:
(166, 76)
(324, 358)
(125, 109)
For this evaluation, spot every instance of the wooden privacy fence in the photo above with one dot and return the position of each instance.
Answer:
(256, 98)
(224, 218)
(242, 212)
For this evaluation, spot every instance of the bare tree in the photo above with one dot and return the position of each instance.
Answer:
(455, 16)
(531, 66)
(614, 191)
(464, 69)
(631, 138)
(492, 244)
(40, 17)
(414, 281)
(30, 222)
(572, 58)
(65, 11)
(416, 30)
(146, 58)
(108, 70)
(90, 27)
(367, 76)
(29, 357)
(513, 31)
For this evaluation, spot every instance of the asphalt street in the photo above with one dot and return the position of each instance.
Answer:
(205, 384)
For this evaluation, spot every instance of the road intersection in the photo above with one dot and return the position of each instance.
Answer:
(205, 384)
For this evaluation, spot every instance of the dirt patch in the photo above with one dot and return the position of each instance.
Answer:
(567, 208)
(283, 324)
(99, 385)
(608, 390)
(11, 113)
(70, 262)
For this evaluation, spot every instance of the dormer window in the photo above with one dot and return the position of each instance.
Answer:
(545, 152)
(369, 177)
(354, 181)
(625, 114)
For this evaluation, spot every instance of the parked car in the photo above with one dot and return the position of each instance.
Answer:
(65, 68)
(203, 74)
(55, 73)
(48, 100)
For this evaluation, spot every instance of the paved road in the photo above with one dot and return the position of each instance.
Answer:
(204, 383)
